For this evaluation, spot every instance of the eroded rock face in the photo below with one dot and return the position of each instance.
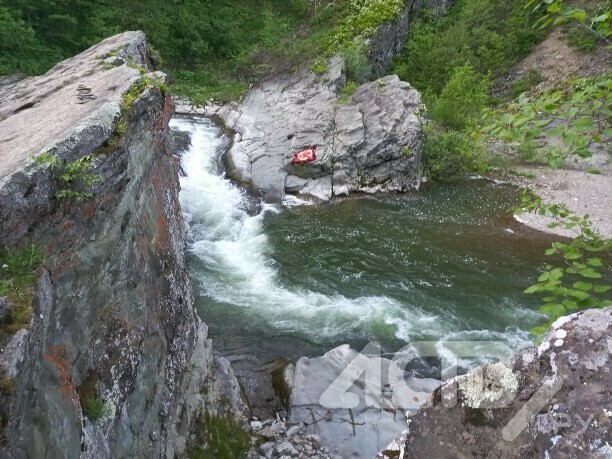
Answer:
(549, 401)
(113, 318)
(373, 142)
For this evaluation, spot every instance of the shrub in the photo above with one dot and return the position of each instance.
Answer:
(461, 100)
(349, 89)
(356, 63)
(93, 408)
(450, 154)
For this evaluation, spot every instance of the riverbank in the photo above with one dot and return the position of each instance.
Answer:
(581, 192)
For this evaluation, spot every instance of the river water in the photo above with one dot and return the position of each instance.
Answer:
(447, 263)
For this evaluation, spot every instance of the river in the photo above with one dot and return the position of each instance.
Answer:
(446, 263)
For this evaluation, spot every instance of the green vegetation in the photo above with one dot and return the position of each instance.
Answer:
(19, 270)
(452, 60)
(213, 49)
(362, 19)
(347, 91)
(525, 84)
(576, 113)
(597, 21)
(218, 438)
(74, 177)
(579, 275)
(93, 408)
(488, 34)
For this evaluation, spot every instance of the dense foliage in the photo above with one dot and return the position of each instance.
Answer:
(556, 123)
(452, 60)
(211, 48)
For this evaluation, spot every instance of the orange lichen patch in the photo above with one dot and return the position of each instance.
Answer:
(58, 357)
(162, 120)
(89, 210)
(66, 227)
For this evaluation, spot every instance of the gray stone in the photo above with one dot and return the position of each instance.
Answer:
(549, 401)
(354, 418)
(293, 183)
(292, 431)
(286, 448)
(5, 307)
(13, 353)
(373, 143)
(267, 449)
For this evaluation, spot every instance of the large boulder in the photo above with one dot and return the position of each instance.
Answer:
(371, 142)
(547, 401)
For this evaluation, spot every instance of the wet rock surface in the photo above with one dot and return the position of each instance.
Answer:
(549, 401)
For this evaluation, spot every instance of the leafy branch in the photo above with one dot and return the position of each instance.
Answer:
(580, 275)
(555, 12)
(577, 114)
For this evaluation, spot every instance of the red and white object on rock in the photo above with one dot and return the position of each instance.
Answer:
(305, 156)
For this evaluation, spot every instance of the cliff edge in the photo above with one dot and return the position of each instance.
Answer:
(86, 173)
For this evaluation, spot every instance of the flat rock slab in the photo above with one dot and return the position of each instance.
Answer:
(84, 89)
(355, 402)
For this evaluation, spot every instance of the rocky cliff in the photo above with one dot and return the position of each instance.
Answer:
(113, 324)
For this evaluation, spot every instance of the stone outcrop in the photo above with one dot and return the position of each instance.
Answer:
(548, 401)
(355, 403)
(373, 142)
(113, 319)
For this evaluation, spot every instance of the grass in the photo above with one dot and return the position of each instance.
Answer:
(218, 438)
(347, 91)
(528, 82)
(19, 270)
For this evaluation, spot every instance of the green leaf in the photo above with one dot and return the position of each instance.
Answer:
(553, 309)
(533, 289)
(584, 286)
(594, 262)
(589, 273)
(601, 288)
(570, 305)
(578, 294)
